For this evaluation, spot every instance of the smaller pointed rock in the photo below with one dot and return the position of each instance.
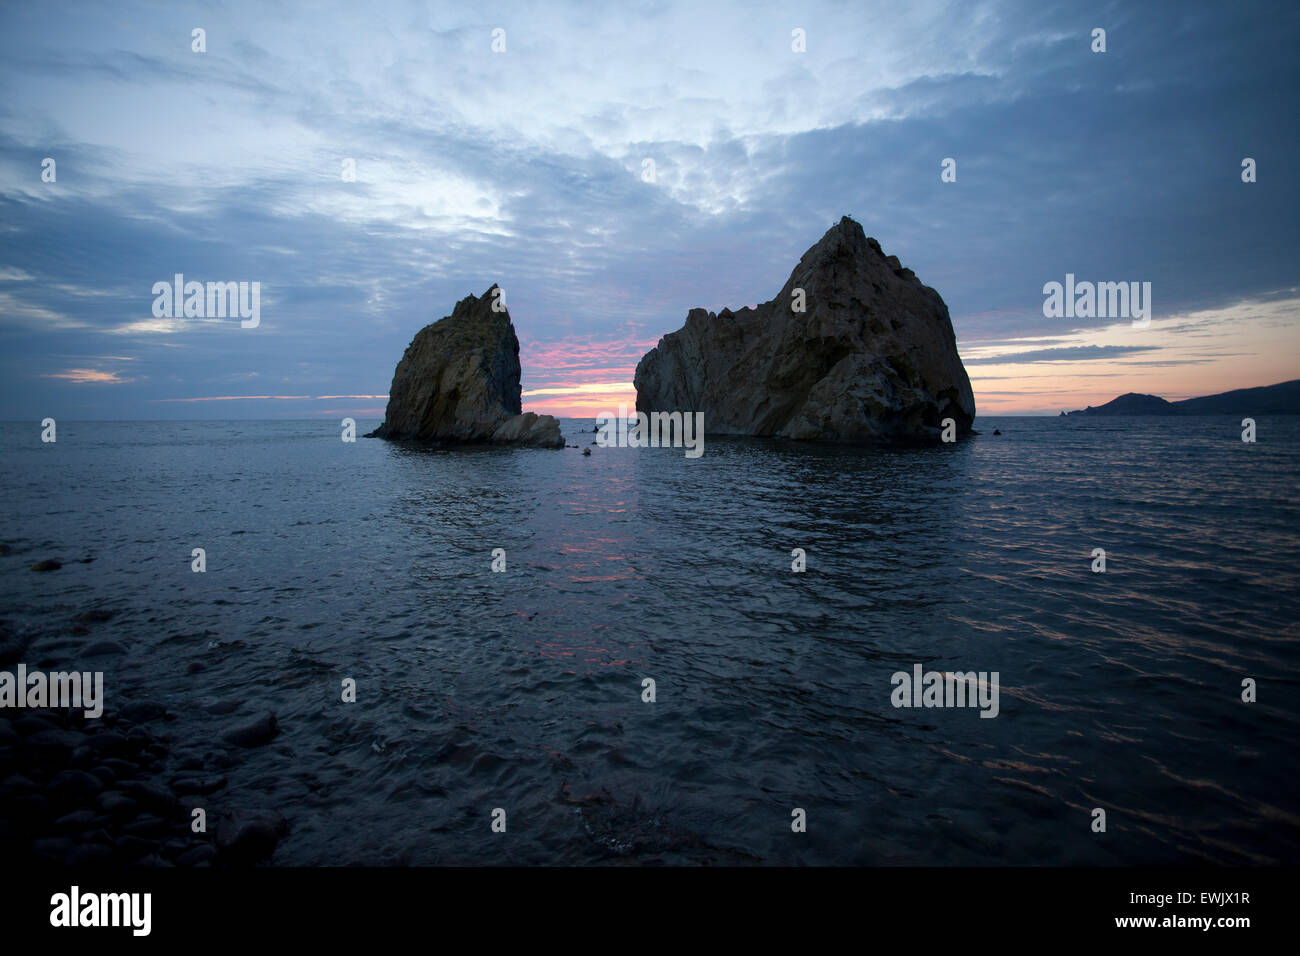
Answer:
(458, 382)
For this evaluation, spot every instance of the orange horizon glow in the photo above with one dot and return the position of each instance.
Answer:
(1247, 345)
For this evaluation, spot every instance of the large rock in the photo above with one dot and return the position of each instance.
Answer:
(459, 382)
(872, 359)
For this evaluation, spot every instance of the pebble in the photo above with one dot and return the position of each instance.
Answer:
(51, 744)
(87, 854)
(203, 853)
(77, 820)
(123, 768)
(152, 795)
(111, 742)
(93, 793)
(148, 823)
(199, 785)
(133, 847)
(76, 784)
(29, 724)
(142, 711)
(188, 761)
(116, 802)
(17, 783)
(52, 848)
(248, 838)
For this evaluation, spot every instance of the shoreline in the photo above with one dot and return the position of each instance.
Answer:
(117, 790)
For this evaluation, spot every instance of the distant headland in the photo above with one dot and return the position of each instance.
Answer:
(1280, 399)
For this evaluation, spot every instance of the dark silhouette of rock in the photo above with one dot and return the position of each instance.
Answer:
(47, 565)
(1132, 404)
(458, 382)
(872, 358)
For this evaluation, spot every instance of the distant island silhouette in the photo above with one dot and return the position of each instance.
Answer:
(1280, 399)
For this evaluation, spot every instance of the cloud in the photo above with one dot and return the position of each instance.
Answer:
(278, 398)
(1074, 353)
(85, 376)
(598, 388)
(33, 315)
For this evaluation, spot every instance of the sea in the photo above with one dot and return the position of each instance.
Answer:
(647, 679)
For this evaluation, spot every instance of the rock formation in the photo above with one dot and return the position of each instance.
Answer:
(459, 383)
(872, 358)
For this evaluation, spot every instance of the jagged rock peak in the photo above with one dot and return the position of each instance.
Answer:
(854, 348)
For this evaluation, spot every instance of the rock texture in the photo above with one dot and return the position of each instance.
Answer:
(459, 383)
(872, 359)
(530, 429)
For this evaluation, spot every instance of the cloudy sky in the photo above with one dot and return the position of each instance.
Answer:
(525, 167)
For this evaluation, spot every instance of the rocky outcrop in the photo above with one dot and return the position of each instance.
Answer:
(529, 429)
(871, 358)
(459, 383)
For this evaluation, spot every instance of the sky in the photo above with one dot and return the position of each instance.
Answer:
(525, 166)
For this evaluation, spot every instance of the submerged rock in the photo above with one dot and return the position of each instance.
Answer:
(259, 731)
(529, 429)
(871, 358)
(458, 382)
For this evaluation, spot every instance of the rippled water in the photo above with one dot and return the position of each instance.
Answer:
(522, 690)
